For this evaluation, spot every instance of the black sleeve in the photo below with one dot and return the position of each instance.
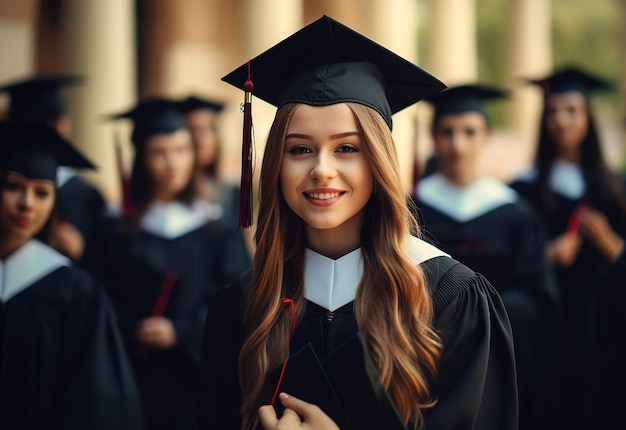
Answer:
(476, 386)
(102, 391)
(220, 396)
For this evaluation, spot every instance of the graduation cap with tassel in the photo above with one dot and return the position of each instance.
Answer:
(325, 63)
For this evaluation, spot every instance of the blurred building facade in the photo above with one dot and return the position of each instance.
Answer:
(129, 49)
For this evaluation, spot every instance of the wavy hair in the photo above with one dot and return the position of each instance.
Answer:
(393, 307)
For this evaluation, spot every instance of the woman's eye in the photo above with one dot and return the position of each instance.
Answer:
(42, 193)
(344, 149)
(297, 150)
(11, 186)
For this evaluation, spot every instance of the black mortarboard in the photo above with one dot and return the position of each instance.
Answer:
(38, 98)
(326, 63)
(345, 385)
(153, 116)
(37, 150)
(464, 98)
(322, 64)
(571, 78)
(193, 103)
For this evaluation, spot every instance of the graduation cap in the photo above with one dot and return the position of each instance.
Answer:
(345, 385)
(37, 150)
(464, 98)
(153, 116)
(322, 64)
(193, 103)
(38, 98)
(571, 78)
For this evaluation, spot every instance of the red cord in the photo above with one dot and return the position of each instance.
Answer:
(289, 301)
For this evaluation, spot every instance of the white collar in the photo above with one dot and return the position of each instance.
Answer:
(464, 204)
(565, 178)
(174, 219)
(332, 284)
(64, 174)
(27, 265)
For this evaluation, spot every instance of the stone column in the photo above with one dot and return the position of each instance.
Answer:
(17, 42)
(98, 42)
(452, 49)
(529, 55)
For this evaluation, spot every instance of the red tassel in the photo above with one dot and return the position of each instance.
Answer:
(163, 297)
(128, 208)
(245, 196)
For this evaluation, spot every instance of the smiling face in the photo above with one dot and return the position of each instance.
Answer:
(325, 176)
(458, 140)
(169, 162)
(567, 120)
(26, 207)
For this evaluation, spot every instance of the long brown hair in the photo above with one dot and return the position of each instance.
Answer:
(393, 307)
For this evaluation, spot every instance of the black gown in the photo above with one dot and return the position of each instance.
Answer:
(138, 269)
(63, 364)
(588, 366)
(476, 386)
(502, 238)
(82, 205)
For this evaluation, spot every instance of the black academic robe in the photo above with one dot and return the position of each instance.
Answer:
(476, 385)
(586, 366)
(82, 205)
(63, 364)
(506, 245)
(137, 269)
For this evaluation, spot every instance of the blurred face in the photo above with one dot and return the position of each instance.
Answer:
(325, 175)
(566, 120)
(26, 206)
(458, 140)
(203, 130)
(169, 161)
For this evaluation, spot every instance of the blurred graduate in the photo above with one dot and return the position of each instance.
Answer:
(80, 205)
(584, 207)
(63, 364)
(165, 255)
(201, 117)
(486, 225)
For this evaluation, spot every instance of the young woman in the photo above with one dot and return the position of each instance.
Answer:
(164, 260)
(584, 207)
(63, 364)
(80, 207)
(344, 308)
(486, 225)
(201, 118)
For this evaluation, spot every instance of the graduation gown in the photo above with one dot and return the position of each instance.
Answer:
(585, 293)
(63, 364)
(488, 227)
(171, 268)
(82, 205)
(476, 384)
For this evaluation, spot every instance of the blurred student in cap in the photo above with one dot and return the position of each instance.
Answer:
(165, 255)
(344, 309)
(486, 225)
(201, 116)
(584, 208)
(80, 205)
(63, 364)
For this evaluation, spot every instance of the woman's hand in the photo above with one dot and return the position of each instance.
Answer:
(563, 250)
(298, 415)
(596, 227)
(67, 239)
(157, 332)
